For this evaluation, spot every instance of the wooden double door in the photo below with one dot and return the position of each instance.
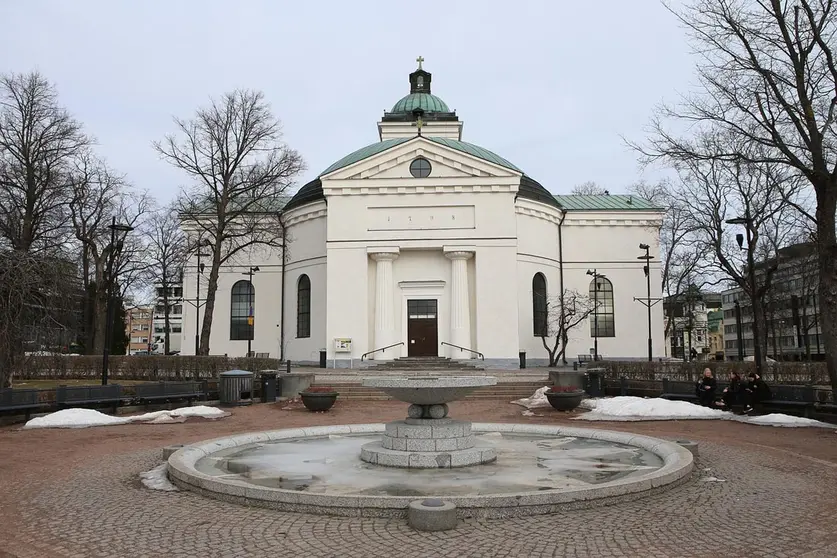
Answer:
(423, 328)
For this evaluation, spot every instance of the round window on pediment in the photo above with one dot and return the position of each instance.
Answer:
(420, 168)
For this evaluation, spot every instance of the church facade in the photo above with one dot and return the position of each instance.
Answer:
(422, 244)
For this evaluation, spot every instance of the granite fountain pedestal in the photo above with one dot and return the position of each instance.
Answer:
(428, 438)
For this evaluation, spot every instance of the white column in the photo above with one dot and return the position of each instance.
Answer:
(460, 306)
(384, 310)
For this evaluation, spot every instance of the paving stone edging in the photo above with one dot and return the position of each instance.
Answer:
(678, 463)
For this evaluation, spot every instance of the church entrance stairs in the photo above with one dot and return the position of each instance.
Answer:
(504, 391)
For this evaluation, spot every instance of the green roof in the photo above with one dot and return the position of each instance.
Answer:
(618, 202)
(381, 146)
(476, 151)
(424, 101)
(363, 153)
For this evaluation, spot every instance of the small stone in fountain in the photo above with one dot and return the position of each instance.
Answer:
(438, 411)
(415, 411)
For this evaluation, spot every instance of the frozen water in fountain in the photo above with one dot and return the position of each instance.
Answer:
(524, 463)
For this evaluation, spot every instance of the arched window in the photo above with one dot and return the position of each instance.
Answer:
(303, 307)
(242, 311)
(539, 309)
(602, 323)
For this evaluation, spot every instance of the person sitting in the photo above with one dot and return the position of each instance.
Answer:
(706, 388)
(757, 391)
(732, 394)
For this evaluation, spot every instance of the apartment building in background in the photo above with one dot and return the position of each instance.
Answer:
(792, 328)
(175, 303)
(138, 320)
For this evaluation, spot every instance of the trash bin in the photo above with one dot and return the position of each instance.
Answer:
(522, 355)
(235, 387)
(268, 386)
(322, 359)
(593, 381)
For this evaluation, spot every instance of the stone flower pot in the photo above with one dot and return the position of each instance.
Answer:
(318, 400)
(565, 400)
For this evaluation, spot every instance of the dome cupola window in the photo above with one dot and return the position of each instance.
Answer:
(420, 168)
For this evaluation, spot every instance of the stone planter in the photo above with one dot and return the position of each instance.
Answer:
(318, 401)
(565, 401)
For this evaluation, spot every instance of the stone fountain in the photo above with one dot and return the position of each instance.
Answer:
(427, 438)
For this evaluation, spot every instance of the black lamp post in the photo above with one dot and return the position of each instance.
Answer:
(113, 248)
(739, 333)
(647, 269)
(596, 277)
(251, 317)
(747, 221)
(197, 304)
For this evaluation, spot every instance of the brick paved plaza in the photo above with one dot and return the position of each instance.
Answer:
(77, 493)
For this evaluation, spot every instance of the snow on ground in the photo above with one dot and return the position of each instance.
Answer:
(778, 419)
(637, 408)
(158, 479)
(75, 418)
(537, 401)
(83, 418)
(629, 408)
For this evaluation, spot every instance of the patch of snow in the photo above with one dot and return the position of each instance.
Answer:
(537, 401)
(712, 479)
(779, 419)
(203, 411)
(158, 479)
(527, 413)
(75, 418)
(629, 408)
(84, 418)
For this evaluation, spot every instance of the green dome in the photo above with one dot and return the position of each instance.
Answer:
(424, 101)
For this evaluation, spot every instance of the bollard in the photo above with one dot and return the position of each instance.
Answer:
(322, 359)
(522, 356)
(288, 366)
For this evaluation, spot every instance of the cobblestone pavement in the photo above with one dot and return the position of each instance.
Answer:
(76, 493)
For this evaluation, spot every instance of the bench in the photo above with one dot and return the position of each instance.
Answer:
(16, 400)
(800, 398)
(583, 360)
(79, 396)
(681, 391)
(165, 392)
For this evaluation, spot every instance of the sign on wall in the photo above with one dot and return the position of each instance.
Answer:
(342, 345)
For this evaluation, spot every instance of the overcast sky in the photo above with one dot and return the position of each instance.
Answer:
(550, 86)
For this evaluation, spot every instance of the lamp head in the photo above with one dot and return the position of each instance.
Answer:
(643, 246)
(590, 272)
(739, 238)
(255, 269)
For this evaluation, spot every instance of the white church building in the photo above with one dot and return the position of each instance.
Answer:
(422, 245)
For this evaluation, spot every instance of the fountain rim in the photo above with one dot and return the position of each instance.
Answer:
(678, 463)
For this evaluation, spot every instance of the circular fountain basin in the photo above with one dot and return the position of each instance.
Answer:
(429, 390)
(539, 469)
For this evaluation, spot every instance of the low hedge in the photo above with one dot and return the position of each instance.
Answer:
(140, 367)
(774, 372)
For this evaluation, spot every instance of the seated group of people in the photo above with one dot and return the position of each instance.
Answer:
(738, 393)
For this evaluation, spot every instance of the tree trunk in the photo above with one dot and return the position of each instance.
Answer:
(166, 312)
(209, 309)
(827, 256)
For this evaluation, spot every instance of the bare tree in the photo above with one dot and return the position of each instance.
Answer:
(715, 192)
(555, 333)
(38, 139)
(680, 254)
(240, 170)
(588, 188)
(768, 72)
(36, 293)
(98, 196)
(167, 250)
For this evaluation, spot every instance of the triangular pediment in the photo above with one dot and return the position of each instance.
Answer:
(446, 163)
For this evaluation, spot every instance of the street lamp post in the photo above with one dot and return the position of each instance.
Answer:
(112, 249)
(197, 303)
(251, 317)
(596, 277)
(647, 268)
(747, 221)
(739, 333)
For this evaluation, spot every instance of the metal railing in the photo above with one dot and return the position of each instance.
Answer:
(472, 351)
(364, 355)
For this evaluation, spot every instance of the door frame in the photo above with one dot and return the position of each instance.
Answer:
(424, 290)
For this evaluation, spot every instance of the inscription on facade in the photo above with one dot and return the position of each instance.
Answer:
(420, 218)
